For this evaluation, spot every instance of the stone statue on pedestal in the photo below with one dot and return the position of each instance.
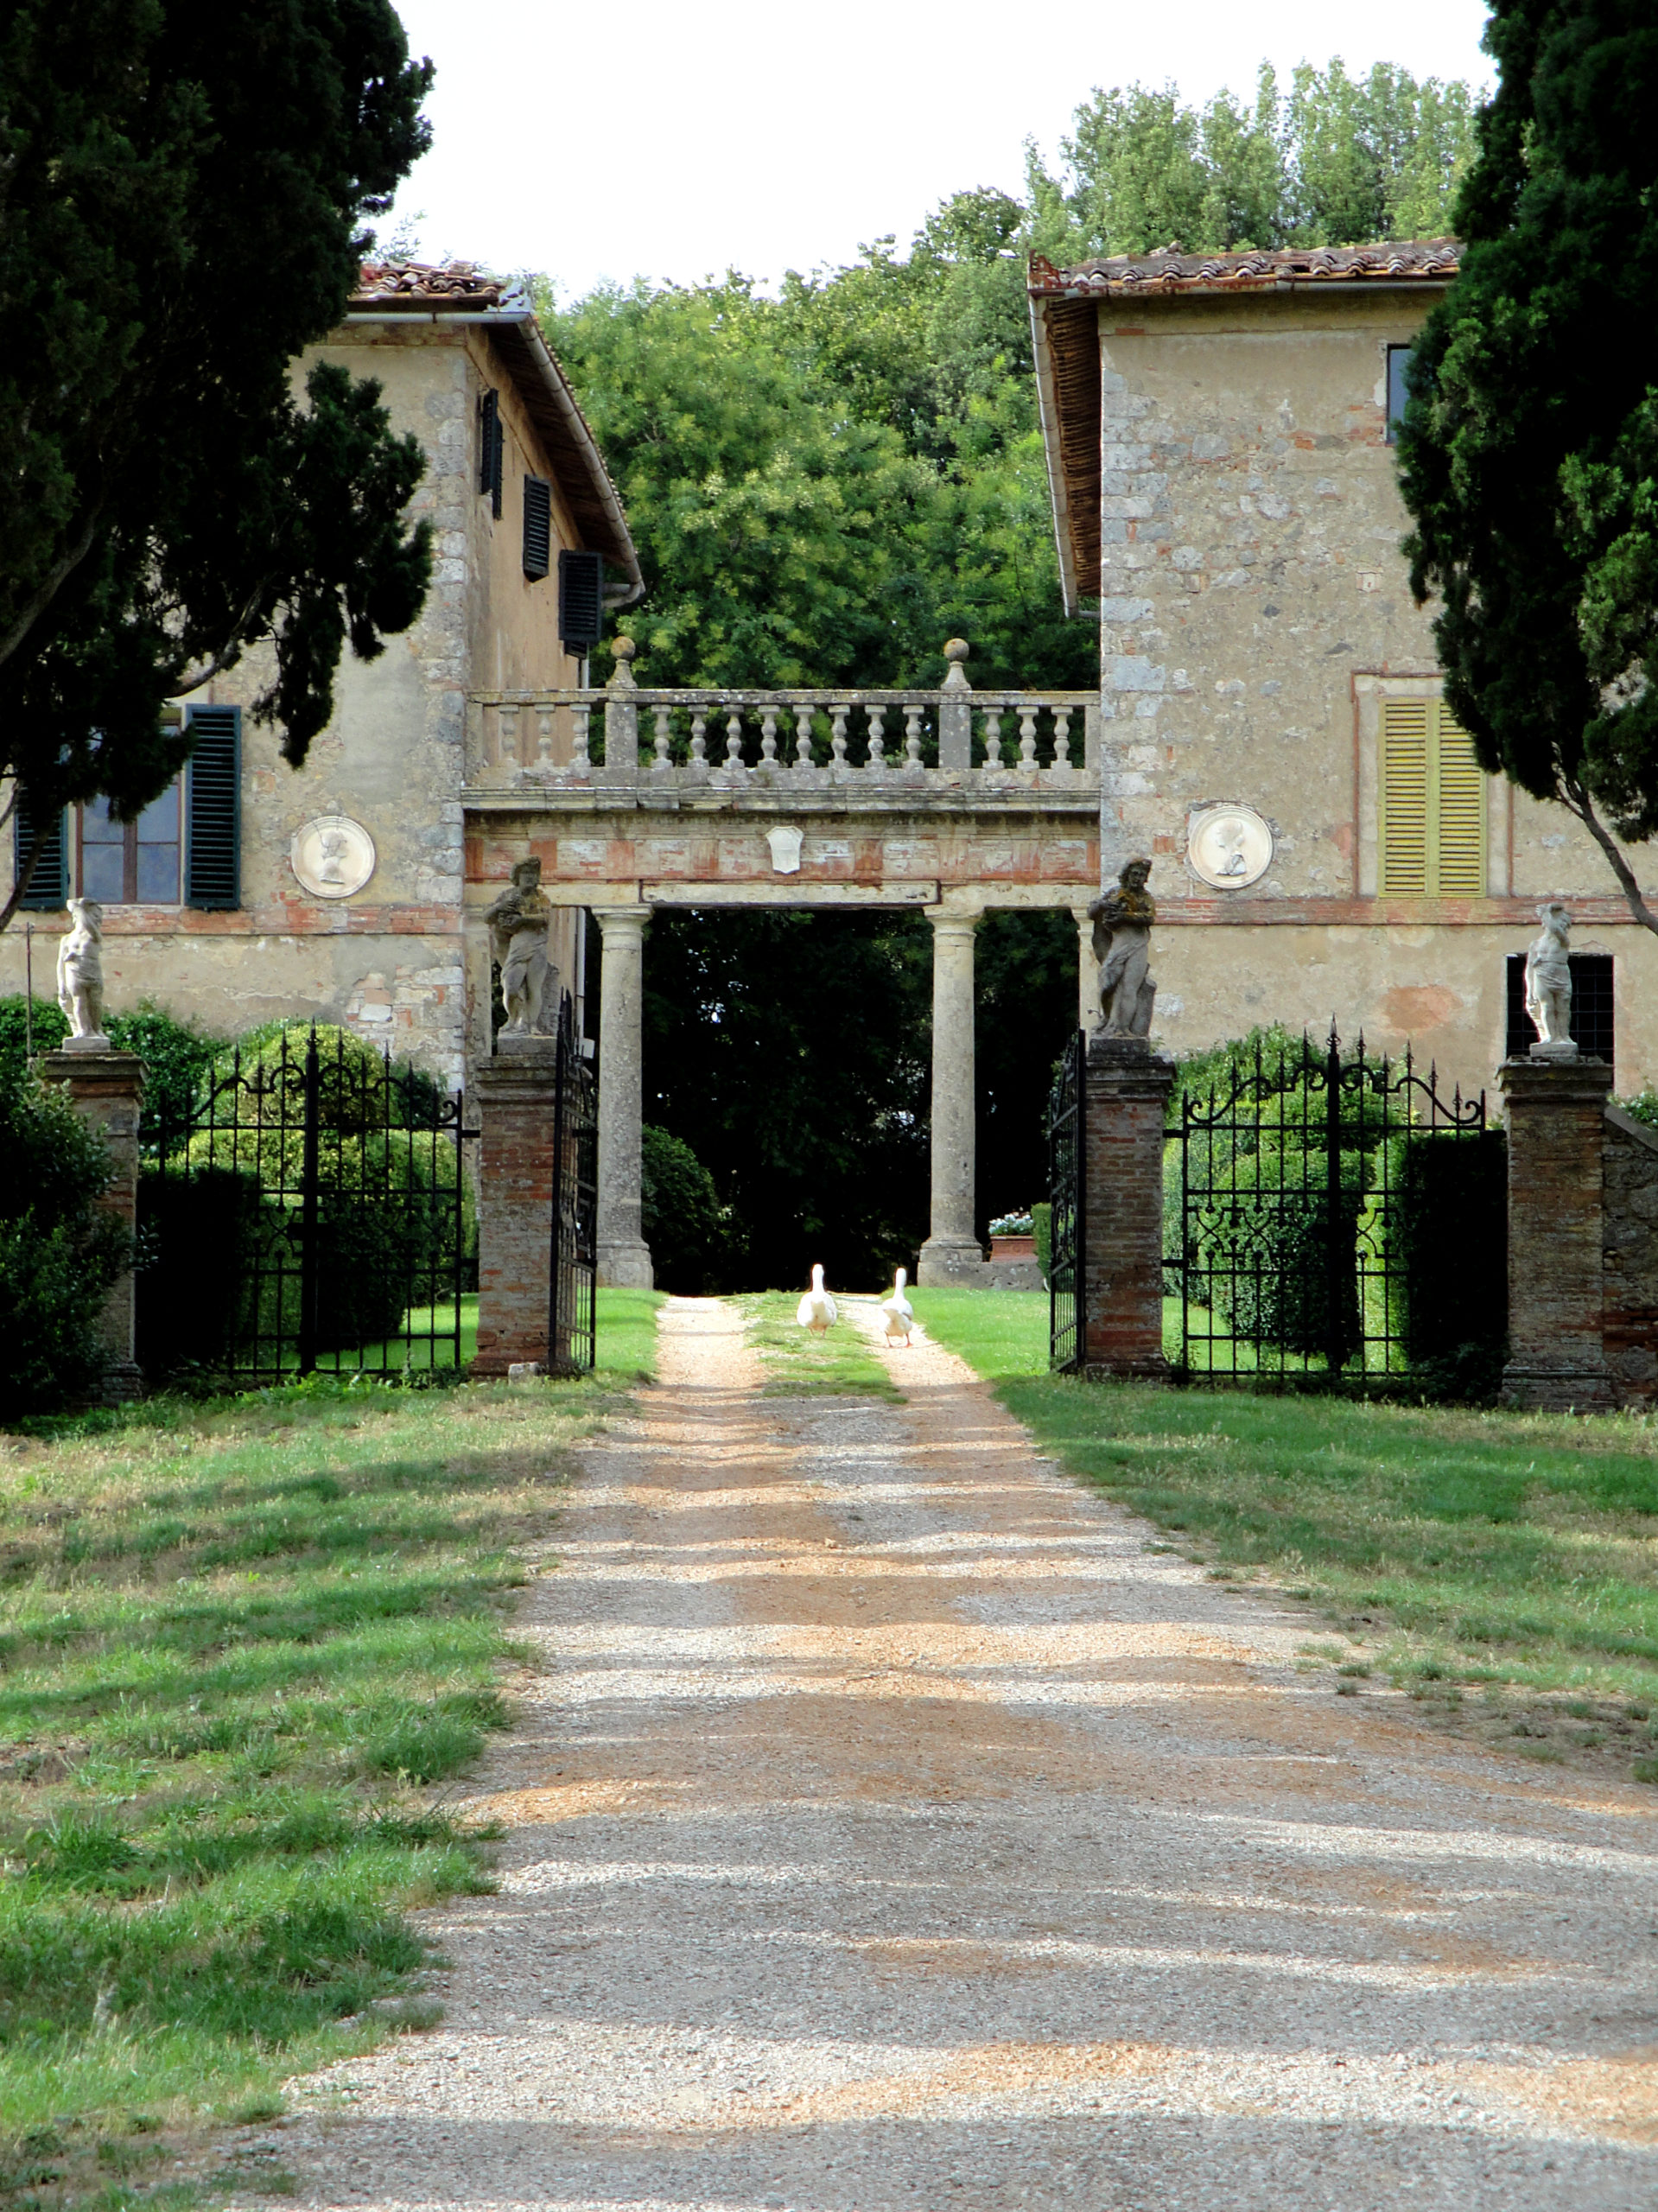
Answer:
(518, 923)
(80, 977)
(1548, 985)
(1122, 920)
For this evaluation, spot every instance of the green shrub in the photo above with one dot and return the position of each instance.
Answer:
(59, 1251)
(175, 1054)
(1435, 1234)
(683, 1221)
(394, 1209)
(1042, 1229)
(1263, 1244)
(202, 1239)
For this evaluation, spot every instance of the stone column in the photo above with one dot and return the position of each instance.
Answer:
(952, 1253)
(516, 1097)
(624, 1255)
(1557, 1357)
(106, 1089)
(1128, 1087)
(955, 712)
(1088, 973)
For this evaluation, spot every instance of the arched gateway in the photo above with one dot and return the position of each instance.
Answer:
(634, 799)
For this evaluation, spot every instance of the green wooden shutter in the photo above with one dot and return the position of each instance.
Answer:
(537, 527)
(581, 600)
(212, 809)
(48, 887)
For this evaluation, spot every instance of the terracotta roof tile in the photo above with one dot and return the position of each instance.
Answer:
(1418, 259)
(425, 285)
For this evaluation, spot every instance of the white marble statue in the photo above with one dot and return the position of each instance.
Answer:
(80, 977)
(518, 923)
(1122, 920)
(1548, 985)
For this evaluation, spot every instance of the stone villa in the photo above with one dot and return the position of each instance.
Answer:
(249, 891)
(1218, 432)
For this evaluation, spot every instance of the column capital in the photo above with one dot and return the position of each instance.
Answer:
(621, 919)
(955, 918)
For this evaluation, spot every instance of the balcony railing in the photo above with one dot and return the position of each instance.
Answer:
(631, 736)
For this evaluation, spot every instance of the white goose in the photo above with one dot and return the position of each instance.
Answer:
(817, 1310)
(898, 1313)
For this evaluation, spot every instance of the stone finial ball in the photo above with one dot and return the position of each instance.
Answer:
(956, 648)
(624, 648)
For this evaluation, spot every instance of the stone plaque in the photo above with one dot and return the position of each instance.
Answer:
(785, 850)
(332, 855)
(1228, 848)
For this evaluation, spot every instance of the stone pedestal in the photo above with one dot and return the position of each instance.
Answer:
(624, 1255)
(517, 1098)
(1557, 1354)
(952, 1253)
(1128, 1087)
(106, 1088)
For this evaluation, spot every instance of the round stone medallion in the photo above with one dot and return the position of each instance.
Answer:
(332, 855)
(1228, 848)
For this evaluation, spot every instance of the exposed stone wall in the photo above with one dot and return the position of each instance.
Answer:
(1630, 1167)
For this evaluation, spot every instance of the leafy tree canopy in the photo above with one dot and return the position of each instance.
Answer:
(1529, 451)
(1335, 161)
(181, 193)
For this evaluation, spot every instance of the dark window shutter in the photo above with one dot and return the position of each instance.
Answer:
(537, 527)
(48, 887)
(581, 600)
(212, 809)
(492, 444)
(1592, 1025)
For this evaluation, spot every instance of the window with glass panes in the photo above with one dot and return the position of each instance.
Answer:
(131, 863)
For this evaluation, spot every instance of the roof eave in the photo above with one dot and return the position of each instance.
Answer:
(520, 334)
(1058, 496)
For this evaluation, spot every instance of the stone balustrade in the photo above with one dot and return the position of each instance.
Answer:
(951, 740)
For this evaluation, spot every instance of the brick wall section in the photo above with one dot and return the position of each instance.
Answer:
(516, 1099)
(106, 1090)
(1556, 1113)
(1629, 1255)
(1128, 1088)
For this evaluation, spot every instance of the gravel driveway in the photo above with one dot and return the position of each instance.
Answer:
(891, 1826)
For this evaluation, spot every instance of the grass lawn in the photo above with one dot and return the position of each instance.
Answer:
(1503, 1566)
(843, 1363)
(246, 1642)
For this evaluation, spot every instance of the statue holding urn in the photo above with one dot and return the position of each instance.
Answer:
(1122, 920)
(519, 923)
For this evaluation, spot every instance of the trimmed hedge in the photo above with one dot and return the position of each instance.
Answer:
(1263, 1250)
(1442, 1238)
(59, 1251)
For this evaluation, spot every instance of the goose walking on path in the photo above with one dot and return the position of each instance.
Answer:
(898, 1313)
(817, 1310)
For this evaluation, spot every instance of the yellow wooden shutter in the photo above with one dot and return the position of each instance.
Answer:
(1432, 807)
(1405, 785)
(1462, 814)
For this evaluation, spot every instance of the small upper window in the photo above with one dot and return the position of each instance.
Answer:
(131, 863)
(1398, 362)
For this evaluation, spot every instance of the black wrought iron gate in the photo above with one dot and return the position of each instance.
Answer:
(1067, 1197)
(571, 1337)
(309, 1211)
(1331, 1215)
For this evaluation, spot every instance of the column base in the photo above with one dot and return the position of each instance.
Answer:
(1557, 1389)
(625, 1266)
(1147, 1367)
(946, 1259)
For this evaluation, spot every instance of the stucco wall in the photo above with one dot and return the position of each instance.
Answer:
(1254, 608)
(389, 960)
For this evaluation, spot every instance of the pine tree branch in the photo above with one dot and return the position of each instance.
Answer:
(1577, 801)
(33, 608)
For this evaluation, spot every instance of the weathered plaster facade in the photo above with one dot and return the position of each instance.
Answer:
(389, 961)
(1217, 437)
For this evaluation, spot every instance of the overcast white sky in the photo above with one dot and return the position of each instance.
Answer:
(670, 140)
